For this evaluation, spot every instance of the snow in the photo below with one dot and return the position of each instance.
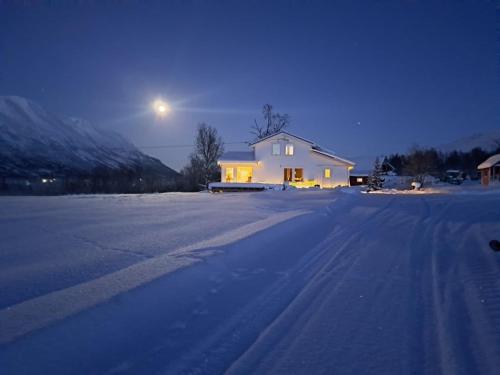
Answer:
(238, 156)
(490, 162)
(488, 141)
(29, 135)
(245, 185)
(272, 282)
(321, 151)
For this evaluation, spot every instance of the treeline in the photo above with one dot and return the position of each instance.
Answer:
(98, 181)
(131, 181)
(419, 162)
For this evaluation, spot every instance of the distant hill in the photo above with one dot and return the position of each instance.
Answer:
(488, 141)
(36, 143)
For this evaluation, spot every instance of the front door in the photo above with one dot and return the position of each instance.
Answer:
(485, 176)
(293, 174)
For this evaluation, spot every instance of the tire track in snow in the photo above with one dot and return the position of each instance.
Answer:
(318, 291)
(27, 316)
(464, 343)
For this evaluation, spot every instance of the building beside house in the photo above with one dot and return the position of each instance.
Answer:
(282, 159)
(490, 170)
(359, 178)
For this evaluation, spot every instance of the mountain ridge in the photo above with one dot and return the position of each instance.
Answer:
(488, 141)
(36, 142)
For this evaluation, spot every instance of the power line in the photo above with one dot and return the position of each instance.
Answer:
(180, 146)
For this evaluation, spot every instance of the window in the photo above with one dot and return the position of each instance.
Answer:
(299, 175)
(359, 179)
(293, 175)
(328, 173)
(244, 174)
(276, 149)
(289, 149)
(229, 174)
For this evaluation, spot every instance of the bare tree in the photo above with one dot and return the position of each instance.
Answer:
(203, 167)
(273, 122)
(422, 162)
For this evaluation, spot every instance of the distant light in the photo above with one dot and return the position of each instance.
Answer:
(44, 180)
(161, 107)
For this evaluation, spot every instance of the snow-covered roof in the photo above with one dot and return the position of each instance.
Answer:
(359, 173)
(281, 132)
(490, 162)
(330, 154)
(237, 156)
(315, 147)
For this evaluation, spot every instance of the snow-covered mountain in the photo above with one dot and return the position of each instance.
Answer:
(489, 142)
(34, 142)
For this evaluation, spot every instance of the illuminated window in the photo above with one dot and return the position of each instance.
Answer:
(328, 173)
(276, 149)
(299, 175)
(244, 174)
(289, 149)
(359, 179)
(229, 174)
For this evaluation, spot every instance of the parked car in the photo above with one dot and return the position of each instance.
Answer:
(454, 176)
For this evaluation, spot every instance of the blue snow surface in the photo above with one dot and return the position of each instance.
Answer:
(353, 284)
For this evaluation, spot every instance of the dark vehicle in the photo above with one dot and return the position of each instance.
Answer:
(454, 176)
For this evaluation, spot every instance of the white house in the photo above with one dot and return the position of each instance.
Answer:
(283, 158)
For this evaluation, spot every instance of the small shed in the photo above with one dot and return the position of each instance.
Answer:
(358, 178)
(490, 170)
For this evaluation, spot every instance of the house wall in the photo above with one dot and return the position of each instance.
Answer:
(270, 167)
(490, 175)
(485, 176)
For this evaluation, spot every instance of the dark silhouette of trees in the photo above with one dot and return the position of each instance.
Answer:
(419, 162)
(375, 181)
(273, 122)
(202, 168)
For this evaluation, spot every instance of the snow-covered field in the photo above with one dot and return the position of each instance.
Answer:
(305, 282)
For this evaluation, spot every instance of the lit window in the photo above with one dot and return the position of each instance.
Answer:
(276, 149)
(244, 174)
(289, 149)
(359, 179)
(299, 175)
(328, 173)
(229, 174)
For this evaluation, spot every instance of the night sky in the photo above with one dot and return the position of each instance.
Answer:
(360, 77)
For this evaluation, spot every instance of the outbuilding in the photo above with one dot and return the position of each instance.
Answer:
(490, 170)
(359, 178)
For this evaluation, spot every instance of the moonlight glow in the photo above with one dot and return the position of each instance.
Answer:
(161, 108)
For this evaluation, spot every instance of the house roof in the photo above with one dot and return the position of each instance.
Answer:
(330, 154)
(237, 156)
(281, 132)
(315, 147)
(490, 162)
